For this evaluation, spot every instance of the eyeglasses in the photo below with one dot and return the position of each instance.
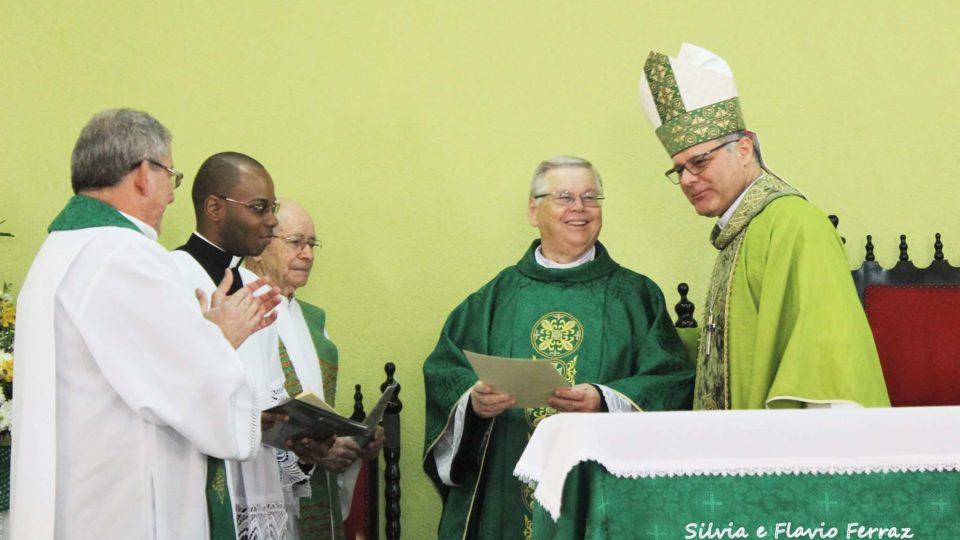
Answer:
(565, 198)
(175, 174)
(696, 165)
(259, 206)
(299, 242)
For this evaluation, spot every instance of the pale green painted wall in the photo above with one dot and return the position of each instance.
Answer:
(410, 130)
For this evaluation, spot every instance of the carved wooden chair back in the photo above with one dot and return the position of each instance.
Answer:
(363, 522)
(915, 317)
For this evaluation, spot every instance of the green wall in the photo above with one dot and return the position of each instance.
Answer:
(410, 130)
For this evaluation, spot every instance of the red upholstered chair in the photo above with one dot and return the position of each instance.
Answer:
(915, 317)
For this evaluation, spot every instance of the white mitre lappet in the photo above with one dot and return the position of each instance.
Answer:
(690, 98)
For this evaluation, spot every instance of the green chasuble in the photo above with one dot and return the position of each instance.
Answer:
(320, 517)
(783, 324)
(597, 323)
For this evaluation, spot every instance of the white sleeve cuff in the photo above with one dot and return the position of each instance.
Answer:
(446, 448)
(833, 405)
(615, 400)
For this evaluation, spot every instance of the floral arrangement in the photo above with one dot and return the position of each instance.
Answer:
(8, 319)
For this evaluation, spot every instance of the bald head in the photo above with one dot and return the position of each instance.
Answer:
(218, 175)
(234, 201)
(288, 260)
(290, 213)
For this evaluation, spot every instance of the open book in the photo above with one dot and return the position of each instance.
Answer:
(310, 416)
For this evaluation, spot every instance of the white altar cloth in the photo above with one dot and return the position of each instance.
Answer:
(683, 443)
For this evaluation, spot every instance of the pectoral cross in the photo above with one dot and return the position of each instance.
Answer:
(709, 329)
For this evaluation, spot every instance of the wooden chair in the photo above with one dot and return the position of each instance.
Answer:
(915, 317)
(363, 521)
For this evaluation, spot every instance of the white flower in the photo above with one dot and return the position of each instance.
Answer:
(6, 366)
(6, 414)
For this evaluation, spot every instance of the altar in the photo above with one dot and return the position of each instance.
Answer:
(842, 473)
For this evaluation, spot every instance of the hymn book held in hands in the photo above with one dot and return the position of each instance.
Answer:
(310, 416)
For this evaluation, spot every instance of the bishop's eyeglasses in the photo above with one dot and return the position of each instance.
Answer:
(695, 165)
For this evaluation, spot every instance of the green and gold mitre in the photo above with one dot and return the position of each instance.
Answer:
(689, 99)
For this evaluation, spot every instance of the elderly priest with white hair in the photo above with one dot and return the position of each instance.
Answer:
(310, 361)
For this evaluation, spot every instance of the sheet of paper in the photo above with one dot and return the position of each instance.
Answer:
(530, 382)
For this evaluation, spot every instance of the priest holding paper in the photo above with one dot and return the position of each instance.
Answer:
(604, 328)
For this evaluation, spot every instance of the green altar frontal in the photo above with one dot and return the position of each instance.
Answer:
(842, 474)
(597, 504)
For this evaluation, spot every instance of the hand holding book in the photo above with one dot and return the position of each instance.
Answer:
(312, 451)
(309, 417)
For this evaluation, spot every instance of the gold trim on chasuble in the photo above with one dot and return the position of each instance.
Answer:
(711, 383)
(554, 336)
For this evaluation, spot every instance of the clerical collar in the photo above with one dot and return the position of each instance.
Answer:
(213, 260)
(234, 259)
(725, 218)
(547, 263)
(147, 230)
(601, 265)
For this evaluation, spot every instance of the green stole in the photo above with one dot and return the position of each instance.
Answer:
(82, 212)
(711, 387)
(219, 506)
(320, 516)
